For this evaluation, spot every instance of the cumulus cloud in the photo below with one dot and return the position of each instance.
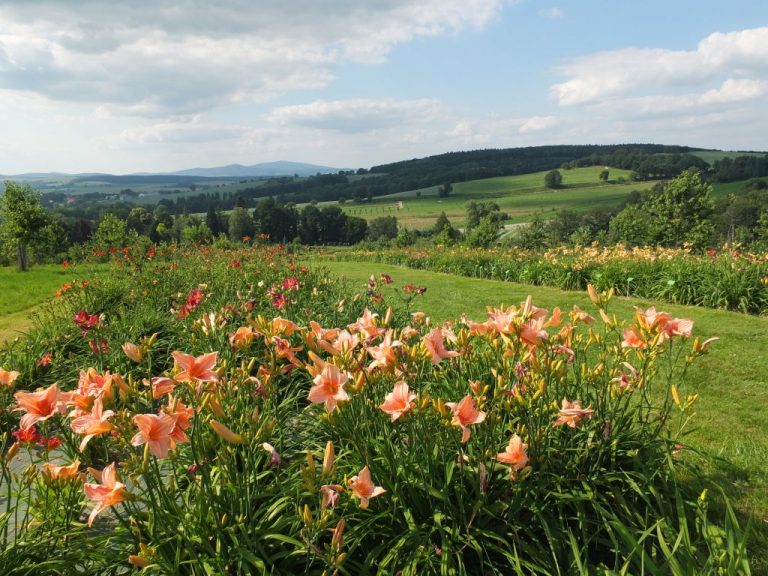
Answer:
(181, 56)
(741, 56)
(357, 115)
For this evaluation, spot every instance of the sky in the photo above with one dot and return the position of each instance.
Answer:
(163, 85)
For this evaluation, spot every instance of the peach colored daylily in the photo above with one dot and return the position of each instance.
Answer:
(183, 416)
(366, 325)
(678, 327)
(571, 413)
(134, 352)
(434, 342)
(40, 405)
(53, 472)
(652, 319)
(362, 487)
(465, 413)
(161, 385)
(155, 429)
(8, 377)
(196, 369)
(398, 402)
(385, 354)
(514, 455)
(533, 333)
(329, 387)
(93, 424)
(579, 315)
(632, 339)
(106, 494)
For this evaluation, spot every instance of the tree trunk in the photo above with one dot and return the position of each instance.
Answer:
(23, 259)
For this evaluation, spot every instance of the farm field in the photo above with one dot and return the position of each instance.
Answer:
(519, 196)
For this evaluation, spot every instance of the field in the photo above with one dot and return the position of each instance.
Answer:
(727, 443)
(519, 196)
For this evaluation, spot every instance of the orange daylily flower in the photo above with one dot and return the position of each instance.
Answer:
(398, 402)
(434, 342)
(283, 326)
(156, 430)
(40, 405)
(465, 413)
(106, 494)
(53, 472)
(329, 387)
(632, 339)
(93, 424)
(571, 413)
(196, 369)
(362, 487)
(514, 455)
(8, 377)
(242, 337)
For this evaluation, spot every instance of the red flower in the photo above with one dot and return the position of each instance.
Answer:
(28, 436)
(278, 301)
(45, 359)
(291, 283)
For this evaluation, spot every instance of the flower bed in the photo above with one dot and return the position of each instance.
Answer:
(727, 279)
(231, 413)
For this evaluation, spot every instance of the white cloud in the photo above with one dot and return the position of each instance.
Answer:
(357, 115)
(183, 131)
(596, 78)
(158, 57)
(538, 124)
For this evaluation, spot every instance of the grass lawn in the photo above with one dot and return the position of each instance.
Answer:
(22, 292)
(731, 425)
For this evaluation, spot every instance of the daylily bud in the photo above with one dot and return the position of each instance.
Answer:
(328, 458)
(337, 541)
(388, 316)
(593, 294)
(11, 452)
(226, 433)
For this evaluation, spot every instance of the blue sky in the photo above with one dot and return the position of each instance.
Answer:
(160, 85)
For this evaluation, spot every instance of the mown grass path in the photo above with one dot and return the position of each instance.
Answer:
(731, 424)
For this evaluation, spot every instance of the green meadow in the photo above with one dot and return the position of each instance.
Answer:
(519, 196)
(22, 292)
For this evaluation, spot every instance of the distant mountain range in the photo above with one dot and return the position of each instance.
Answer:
(264, 169)
(281, 168)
